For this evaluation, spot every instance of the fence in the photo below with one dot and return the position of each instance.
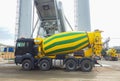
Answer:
(7, 55)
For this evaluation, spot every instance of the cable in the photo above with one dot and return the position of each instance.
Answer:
(68, 23)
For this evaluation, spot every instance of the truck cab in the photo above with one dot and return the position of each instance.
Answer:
(25, 51)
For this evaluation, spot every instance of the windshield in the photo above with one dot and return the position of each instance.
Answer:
(20, 44)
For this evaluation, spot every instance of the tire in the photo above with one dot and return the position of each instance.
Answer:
(70, 65)
(86, 65)
(44, 65)
(27, 65)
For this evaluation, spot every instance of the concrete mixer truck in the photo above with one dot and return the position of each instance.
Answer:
(75, 49)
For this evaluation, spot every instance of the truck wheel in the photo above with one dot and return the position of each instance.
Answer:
(27, 65)
(71, 65)
(86, 65)
(44, 65)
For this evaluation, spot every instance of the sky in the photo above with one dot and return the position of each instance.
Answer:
(7, 21)
(104, 15)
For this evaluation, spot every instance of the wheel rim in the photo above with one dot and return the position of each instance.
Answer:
(44, 65)
(87, 66)
(71, 66)
(26, 65)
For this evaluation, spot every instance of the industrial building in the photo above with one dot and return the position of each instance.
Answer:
(26, 20)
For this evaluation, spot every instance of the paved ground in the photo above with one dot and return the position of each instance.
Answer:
(110, 71)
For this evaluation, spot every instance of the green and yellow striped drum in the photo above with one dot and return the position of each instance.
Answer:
(64, 43)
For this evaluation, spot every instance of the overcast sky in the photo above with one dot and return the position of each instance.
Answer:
(105, 15)
(7, 21)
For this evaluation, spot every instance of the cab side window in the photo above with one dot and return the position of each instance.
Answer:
(21, 44)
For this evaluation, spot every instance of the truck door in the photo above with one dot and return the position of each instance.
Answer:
(20, 48)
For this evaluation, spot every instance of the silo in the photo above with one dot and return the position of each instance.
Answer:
(24, 18)
(82, 15)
